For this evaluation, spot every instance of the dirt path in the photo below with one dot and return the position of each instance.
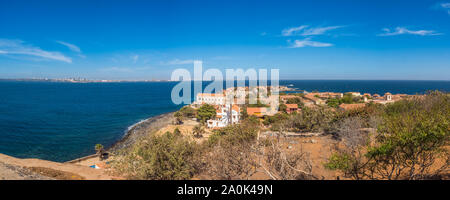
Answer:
(15, 168)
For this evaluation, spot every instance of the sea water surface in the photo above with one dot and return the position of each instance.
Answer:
(63, 121)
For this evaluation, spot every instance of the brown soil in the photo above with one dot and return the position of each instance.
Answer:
(56, 174)
(44, 168)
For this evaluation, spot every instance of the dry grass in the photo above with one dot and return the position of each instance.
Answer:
(56, 174)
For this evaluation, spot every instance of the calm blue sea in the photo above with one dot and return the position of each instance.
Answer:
(63, 121)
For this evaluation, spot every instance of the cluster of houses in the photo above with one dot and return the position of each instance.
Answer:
(228, 106)
(376, 98)
(319, 98)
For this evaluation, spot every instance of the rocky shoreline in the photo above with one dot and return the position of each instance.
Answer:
(141, 129)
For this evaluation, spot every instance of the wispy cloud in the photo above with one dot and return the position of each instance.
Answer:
(304, 30)
(18, 47)
(293, 30)
(72, 47)
(179, 62)
(445, 6)
(319, 30)
(405, 31)
(308, 43)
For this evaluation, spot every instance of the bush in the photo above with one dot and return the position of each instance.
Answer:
(334, 103)
(268, 120)
(246, 131)
(165, 157)
(297, 101)
(412, 137)
(320, 119)
(188, 111)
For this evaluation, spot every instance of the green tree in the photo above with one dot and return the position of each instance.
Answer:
(347, 98)
(99, 150)
(244, 114)
(319, 119)
(297, 101)
(334, 103)
(282, 108)
(188, 111)
(206, 112)
(279, 117)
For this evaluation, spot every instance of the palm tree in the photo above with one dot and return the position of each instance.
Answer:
(198, 131)
(99, 149)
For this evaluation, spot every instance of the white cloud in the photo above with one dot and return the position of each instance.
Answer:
(403, 31)
(305, 31)
(72, 47)
(179, 62)
(319, 30)
(446, 6)
(19, 47)
(293, 30)
(308, 43)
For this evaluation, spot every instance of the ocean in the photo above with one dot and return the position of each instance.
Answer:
(63, 121)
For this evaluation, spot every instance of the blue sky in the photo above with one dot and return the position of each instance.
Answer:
(149, 39)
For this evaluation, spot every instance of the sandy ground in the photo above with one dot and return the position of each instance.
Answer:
(49, 168)
(186, 130)
(319, 149)
(12, 172)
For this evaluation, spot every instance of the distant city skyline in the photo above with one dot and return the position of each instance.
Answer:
(306, 40)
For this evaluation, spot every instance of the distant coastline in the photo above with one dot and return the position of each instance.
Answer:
(79, 80)
(84, 80)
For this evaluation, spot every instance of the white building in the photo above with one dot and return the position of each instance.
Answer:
(356, 94)
(225, 115)
(388, 96)
(213, 99)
